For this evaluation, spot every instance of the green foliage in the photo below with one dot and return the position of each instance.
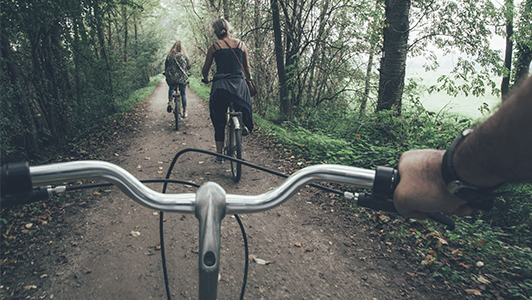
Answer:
(474, 254)
(139, 95)
(201, 89)
(500, 239)
(513, 212)
(342, 137)
(71, 68)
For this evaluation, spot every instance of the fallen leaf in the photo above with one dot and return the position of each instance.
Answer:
(480, 243)
(384, 218)
(434, 253)
(135, 233)
(474, 292)
(465, 266)
(262, 261)
(483, 280)
(309, 250)
(298, 244)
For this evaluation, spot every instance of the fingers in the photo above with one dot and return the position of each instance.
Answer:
(422, 191)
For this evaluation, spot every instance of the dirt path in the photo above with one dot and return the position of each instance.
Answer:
(90, 252)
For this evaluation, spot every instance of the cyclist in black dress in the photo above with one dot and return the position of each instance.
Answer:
(229, 83)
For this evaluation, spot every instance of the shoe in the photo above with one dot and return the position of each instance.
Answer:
(169, 107)
(185, 115)
(219, 160)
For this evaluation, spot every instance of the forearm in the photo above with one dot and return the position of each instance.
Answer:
(500, 149)
(207, 65)
(205, 73)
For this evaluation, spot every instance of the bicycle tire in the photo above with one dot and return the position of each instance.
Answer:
(177, 109)
(236, 167)
(228, 149)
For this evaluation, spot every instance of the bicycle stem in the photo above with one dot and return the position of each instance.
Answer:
(210, 211)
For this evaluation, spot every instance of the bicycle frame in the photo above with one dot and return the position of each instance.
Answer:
(210, 203)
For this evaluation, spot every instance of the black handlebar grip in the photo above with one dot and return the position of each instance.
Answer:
(367, 200)
(38, 194)
(15, 179)
(385, 182)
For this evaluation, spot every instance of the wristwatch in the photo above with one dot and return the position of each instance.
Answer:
(477, 197)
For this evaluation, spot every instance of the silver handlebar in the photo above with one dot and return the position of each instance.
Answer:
(210, 203)
(184, 203)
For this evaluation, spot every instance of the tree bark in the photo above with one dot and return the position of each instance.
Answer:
(285, 105)
(505, 85)
(393, 62)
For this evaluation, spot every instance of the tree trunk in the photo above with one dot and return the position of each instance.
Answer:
(30, 135)
(285, 105)
(124, 13)
(523, 55)
(103, 53)
(365, 97)
(505, 85)
(393, 62)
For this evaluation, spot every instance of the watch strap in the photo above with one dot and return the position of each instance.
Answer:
(477, 197)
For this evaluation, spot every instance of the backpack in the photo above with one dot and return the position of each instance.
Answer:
(171, 72)
(174, 73)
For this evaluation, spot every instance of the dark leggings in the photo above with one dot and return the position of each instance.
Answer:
(218, 105)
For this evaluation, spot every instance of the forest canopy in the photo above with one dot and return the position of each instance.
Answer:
(69, 65)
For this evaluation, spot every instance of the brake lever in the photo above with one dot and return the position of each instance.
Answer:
(384, 184)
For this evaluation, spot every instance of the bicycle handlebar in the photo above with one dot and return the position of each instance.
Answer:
(210, 203)
(382, 181)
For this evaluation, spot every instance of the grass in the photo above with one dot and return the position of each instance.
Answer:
(139, 95)
(488, 253)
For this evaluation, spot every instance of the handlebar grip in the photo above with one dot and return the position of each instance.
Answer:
(15, 179)
(367, 200)
(38, 194)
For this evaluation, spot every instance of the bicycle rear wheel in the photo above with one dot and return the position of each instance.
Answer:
(177, 110)
(236, 142)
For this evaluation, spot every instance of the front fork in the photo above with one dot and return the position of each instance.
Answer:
(210, 207)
